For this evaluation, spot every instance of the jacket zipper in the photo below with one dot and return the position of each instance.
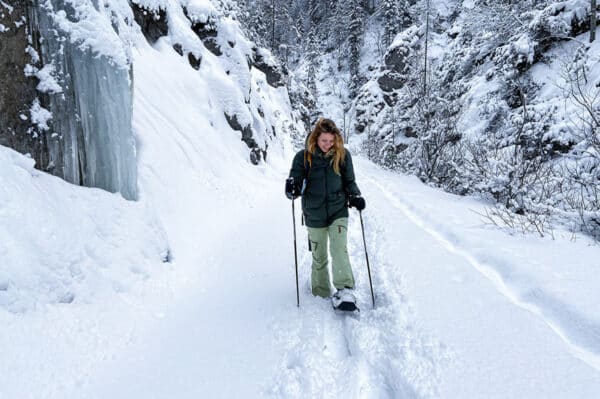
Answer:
(326, 195)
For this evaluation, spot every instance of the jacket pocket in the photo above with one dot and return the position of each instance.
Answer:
(314, 201)
(336, 201)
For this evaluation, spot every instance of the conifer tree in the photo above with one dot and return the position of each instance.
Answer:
(355, 44)
(391, 21)
(312, 56)
(338, 21)
(330, 15)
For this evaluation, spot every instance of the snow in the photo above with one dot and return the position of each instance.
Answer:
(447, 322)
(39, 115)
(7, 6)
(552, 75)
(35, 57)
(469, 4)
(544, 280)
(48, 83)
(20, 23)
(524, 46)
(59, 241)
(92, 29)
(473, 122)
(201, 10)
(190, 291)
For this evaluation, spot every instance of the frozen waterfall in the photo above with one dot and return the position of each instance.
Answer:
(91, 141)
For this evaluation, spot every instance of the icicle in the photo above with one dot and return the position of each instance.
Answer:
(91, 142)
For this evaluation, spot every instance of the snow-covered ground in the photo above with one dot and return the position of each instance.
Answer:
(463, 309)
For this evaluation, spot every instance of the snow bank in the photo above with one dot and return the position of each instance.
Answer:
(61, 243)
(539, 275)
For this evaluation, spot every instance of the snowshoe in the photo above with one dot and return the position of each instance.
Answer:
(344, 300)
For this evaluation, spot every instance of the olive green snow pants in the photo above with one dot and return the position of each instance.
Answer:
(342, 271)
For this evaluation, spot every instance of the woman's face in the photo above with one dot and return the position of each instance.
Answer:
(325, 141)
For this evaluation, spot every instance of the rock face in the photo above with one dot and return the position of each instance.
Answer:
(390, 81)
(275, 76)
(208, 34)
(18, 91)
(393, 76)
(153, 23)
(256, 153)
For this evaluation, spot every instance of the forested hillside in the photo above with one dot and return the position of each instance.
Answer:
(493, 98)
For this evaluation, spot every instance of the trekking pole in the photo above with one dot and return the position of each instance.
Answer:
(367, 256)
(295, 253)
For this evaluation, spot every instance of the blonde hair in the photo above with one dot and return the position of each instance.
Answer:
(338, 151)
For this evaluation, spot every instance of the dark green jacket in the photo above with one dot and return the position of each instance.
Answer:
(326, 193)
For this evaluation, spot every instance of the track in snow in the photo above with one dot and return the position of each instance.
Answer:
(381, 355)
(582, 340)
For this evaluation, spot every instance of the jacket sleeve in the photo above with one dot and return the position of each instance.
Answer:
(297, 171)
(348, 181)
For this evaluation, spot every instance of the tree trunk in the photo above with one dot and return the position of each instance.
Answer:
(592, 20)
(273, 26)
(425, 55)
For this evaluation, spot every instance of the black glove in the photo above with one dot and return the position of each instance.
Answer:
(292, 188)
(357, 202)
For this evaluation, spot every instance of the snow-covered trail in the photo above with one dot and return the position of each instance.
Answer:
(440, 327)
(236, 330)
(216, 339)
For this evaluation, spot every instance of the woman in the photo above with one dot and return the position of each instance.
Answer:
(323, 174)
